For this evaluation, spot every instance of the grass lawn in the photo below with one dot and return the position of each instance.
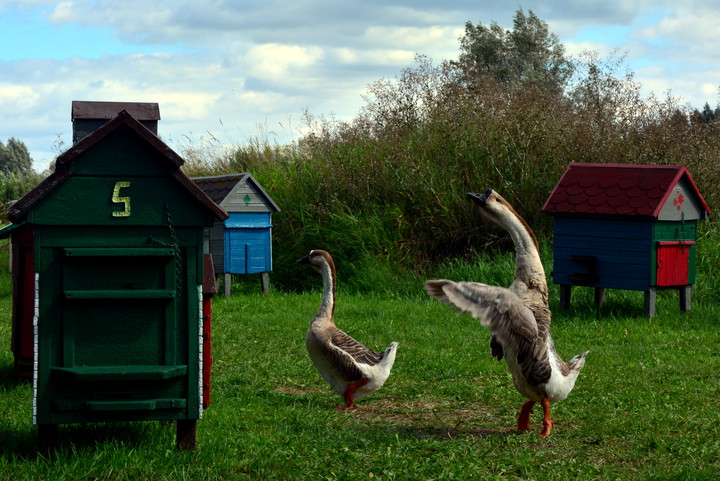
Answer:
(644, 407)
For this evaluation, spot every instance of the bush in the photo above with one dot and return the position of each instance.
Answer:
(14, 186)
(389, 187)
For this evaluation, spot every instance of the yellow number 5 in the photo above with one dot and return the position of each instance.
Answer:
(121, 200)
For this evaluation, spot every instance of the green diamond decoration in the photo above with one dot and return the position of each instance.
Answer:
(247, 199)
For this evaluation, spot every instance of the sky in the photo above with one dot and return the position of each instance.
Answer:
(229, 72)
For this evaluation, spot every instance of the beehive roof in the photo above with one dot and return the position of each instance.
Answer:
(620, 190)
(220, 187)
(64, 167)
(81, 109)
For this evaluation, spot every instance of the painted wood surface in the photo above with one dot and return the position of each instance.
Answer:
(116, 257)
(622, 251)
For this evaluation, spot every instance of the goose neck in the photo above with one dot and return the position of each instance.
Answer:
(327, 304)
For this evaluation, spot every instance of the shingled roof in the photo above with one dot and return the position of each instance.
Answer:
(219, 187)
(621, 189)
(64, 169)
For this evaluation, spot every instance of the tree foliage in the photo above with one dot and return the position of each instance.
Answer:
(15, 157)
(388, 186)
(529, 54)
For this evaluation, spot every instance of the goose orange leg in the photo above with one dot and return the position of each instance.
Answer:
(547, 422)
(524, 417)
(349, 394)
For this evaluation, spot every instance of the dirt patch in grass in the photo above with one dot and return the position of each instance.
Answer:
(432, 419)
(298, 390)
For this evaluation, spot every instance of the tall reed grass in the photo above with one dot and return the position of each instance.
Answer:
(385, 192)
(387, 189)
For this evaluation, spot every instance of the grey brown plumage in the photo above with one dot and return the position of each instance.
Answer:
(518, 317)
(352, 369)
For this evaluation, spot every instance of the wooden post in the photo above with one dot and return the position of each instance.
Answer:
(650, 298)
(265, 281)
(227, 282)
(599, 296)
(685, 292)
(186, 438)
(565, 291)
(48, 438)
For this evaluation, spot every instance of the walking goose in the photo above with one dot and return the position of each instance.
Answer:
(518, 317)
(353, 370)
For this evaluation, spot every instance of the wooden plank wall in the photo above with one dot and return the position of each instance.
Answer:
(623, 251)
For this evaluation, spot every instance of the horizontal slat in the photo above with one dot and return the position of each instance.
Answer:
(120, 405)
(675, 243)
(119, 252)
(120, 373)
(120, 294)
(143, 405)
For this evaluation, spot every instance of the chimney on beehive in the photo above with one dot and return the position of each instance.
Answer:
(89, 116)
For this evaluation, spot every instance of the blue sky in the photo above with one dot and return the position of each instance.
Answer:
(44, 40)
(226, 72)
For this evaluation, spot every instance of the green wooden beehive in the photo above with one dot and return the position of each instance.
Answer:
(117, 256)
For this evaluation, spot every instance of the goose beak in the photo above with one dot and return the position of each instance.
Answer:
(480, 198)
(303, 260)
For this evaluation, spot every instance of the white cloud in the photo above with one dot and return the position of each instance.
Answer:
(230, 67)
(64, 12)
(14, 97)
(275, 62)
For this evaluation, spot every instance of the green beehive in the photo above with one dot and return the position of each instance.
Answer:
(117, 258)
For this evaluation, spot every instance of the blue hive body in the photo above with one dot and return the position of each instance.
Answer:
(243, 243)
(625, 227)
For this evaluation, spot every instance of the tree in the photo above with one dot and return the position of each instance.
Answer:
(529, 54)
(15, 157)
(707, 115)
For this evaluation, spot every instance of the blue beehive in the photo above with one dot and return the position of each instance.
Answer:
(243, 243)
(625, 226)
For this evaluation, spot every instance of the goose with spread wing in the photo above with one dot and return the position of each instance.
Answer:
(351, 369)
(518, 317)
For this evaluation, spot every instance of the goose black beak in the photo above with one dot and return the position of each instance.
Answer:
(303, 260)
(480, 198)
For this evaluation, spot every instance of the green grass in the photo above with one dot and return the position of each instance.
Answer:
(644, 407)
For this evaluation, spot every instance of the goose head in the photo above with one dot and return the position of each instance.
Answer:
(317, 259)
(577, 362)
(494, 207)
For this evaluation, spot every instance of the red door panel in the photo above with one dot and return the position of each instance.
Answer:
(673, 261)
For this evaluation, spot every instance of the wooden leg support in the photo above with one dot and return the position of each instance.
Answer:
(599, 296)
(227, 283)
(186, 437)
(48, 438)
(565, 292)
(685, 292)
(650, 298)
(265, 282)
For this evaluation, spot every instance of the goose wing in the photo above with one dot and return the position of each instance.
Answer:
(355, 349)
(535, 297)
(342, 353)
(498, 308)
(512, 325)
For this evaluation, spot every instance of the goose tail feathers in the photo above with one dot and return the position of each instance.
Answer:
(378, 373)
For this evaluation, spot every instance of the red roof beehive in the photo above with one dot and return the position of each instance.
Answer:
(625, 226)
(658, 191)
